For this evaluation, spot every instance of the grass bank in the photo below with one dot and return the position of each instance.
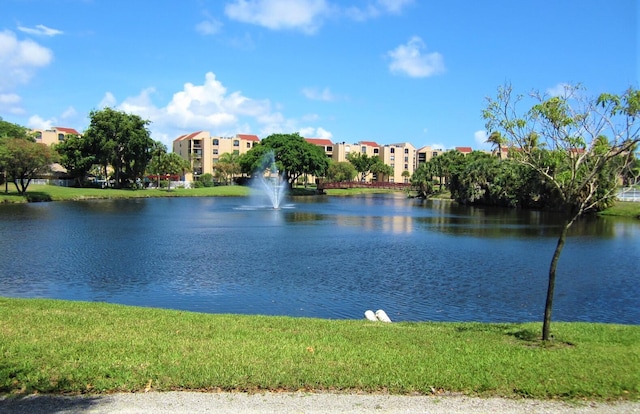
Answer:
(52, 346)
(55, 193)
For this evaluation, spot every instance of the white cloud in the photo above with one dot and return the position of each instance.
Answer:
(313, 132)
(40, 30)
(376, 9)
(209, 107)
(480, 138)
(70, 112)
(316, 94)
(394, 6)
(19, 59)
(11, 103)
(107, 101)
(36, 122)
(558, 90)
(209, 26)
(409, 59)
(303, 15)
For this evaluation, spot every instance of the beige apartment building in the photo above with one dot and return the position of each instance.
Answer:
(203, 151)
(53, 135)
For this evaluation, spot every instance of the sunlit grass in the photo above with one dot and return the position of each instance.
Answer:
(55, 193)
(623, 209)
(60, 346)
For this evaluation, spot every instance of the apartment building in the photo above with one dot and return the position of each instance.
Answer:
(402, 159)
(426, 154)
(203, 151)
(53, 135)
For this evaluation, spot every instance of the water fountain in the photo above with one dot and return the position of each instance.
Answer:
(269, 182)
(275, 188)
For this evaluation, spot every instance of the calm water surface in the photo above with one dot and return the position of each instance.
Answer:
(328, 257)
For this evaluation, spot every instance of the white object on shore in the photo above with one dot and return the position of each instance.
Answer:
(382, 316)
(370, 316)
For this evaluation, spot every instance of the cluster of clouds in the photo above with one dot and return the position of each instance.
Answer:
(210, 105)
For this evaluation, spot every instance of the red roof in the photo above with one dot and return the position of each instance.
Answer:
(369, 143)
(464, 150)
(67, 130)
(248, 137)
(187, 136)
(322, 142)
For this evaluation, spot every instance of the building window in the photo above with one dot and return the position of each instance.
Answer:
(435, 154)
(392, 158)
(392, 150)
(406, 166)
(215, 151)
(236, 152)
(375, 151)
(329, 148)
(236, 143)
(363, 149)
(406, 159)
(216, 142)
(60, 137)
(248, 145)
(406, 150)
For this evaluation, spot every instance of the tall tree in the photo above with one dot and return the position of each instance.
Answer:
(496, 139)
(122, 141)
(586, 144)
(341, 171)
(10, 130)
(362, 163)
(76, 156)
(381, 170)
(23, 159)
(422, 179)
(166, 164)
(293, 157)
(228, 166)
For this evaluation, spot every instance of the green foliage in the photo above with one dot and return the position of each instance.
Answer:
(362, 163)
(341, 171)
(76, 156)
(577, 147)
(293, 156)
(206, 180)
(227, 167)
(10, 130)
(423, 180)
(122, 141)
(381, 170)
(22, 159)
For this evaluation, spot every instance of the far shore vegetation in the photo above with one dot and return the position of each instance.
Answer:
(66, 347)
(38, 192)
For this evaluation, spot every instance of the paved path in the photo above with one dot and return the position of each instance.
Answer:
(315, 403)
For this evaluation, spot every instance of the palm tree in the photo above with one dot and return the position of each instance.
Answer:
(498, 142)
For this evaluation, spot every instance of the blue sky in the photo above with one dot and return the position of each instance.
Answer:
(350, 70)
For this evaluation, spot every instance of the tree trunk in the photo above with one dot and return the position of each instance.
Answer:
(546, 326)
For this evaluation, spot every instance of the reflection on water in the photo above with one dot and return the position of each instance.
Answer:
(330, 257)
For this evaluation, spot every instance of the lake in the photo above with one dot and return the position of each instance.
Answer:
(325, 257)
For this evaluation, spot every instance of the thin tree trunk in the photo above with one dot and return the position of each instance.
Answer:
(546, 326)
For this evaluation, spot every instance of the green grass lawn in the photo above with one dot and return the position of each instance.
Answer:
(49, 346)
(55, 193)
